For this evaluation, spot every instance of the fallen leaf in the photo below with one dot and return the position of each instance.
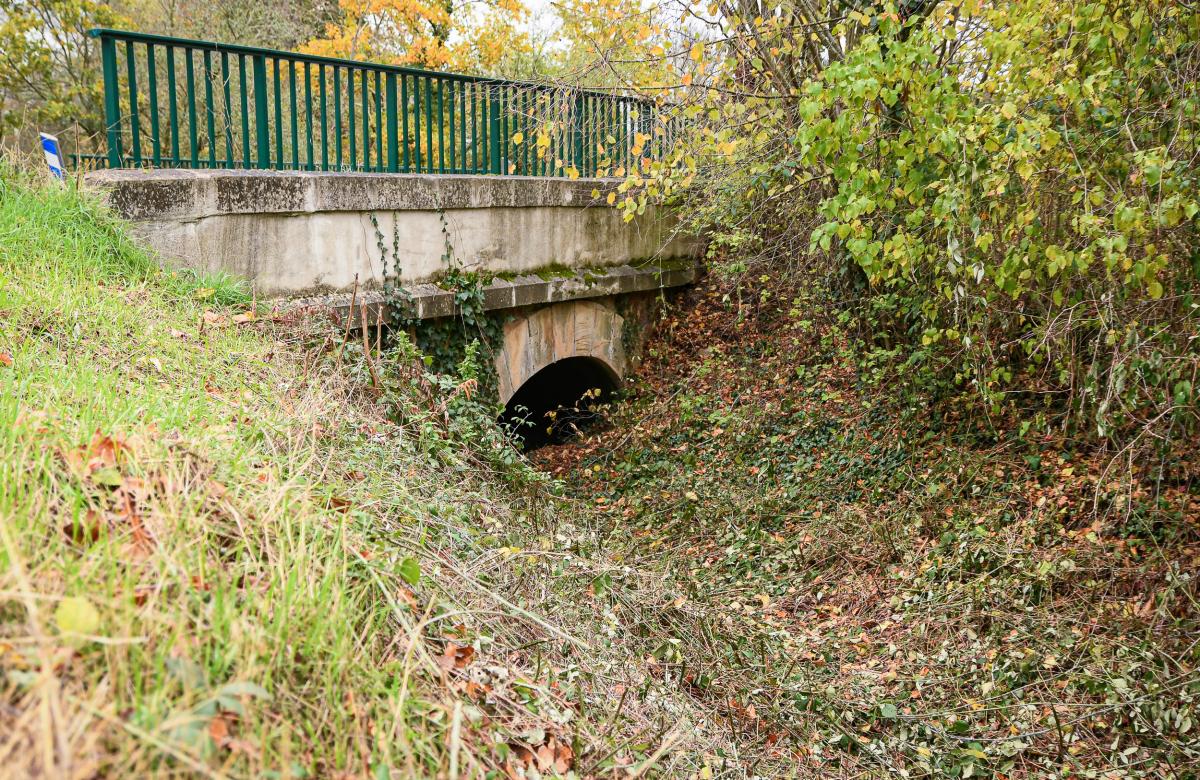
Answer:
(218, 729)
(545, 757)
(76, 616)
(6, 359)
(212, 319)
(456, 656)
(410, 571)
(564, 757)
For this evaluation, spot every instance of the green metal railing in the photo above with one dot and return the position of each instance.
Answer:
(176, 103)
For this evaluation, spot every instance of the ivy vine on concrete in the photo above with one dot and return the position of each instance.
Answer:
(444, 341)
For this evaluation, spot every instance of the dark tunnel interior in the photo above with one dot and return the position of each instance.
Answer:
(559, 401)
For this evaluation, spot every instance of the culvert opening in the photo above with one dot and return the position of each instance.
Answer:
(559, 401)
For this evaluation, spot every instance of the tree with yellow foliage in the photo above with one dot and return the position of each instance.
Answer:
(470, 38)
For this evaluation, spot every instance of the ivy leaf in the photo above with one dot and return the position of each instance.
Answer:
(410, 571)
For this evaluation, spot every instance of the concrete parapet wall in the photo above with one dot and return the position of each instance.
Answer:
(296, 233)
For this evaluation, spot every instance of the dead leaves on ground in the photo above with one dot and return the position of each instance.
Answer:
(552, 754)
(116, 497)
(534, 743)
(213, 320)
(455, 656)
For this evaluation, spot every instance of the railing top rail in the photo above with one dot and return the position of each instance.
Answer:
(316, 59)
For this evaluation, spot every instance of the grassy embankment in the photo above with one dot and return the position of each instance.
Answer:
(223, 554)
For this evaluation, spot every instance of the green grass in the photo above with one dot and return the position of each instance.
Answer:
(208, 553)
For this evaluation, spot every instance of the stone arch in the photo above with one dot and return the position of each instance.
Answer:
(557, 332)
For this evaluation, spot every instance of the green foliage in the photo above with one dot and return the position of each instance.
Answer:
(1013, 185)
(50, 68)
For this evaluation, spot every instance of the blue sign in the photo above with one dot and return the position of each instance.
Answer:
(53, 155)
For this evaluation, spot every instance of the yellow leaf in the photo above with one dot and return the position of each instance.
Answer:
(612, 198)
(517, 138)
(697, 52)
(76, 616)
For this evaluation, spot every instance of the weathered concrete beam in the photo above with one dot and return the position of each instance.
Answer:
(297, 233)
(429, 301)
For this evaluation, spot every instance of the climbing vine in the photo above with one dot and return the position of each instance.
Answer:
(445, 342)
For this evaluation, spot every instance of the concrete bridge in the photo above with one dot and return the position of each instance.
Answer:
(576, 278)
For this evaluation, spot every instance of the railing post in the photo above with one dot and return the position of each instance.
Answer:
(494, 130)
(134, 129)
(577, 126)
(112, 102)
(393, 130)
(262, 126)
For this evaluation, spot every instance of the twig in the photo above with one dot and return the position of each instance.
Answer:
(348, 320)
(366, 340)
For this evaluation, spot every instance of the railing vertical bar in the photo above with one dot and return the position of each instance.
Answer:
(581, 132)
(428, 125)
(419, 149)
(611, 131)
(134, 129)
(473, 92)
(291, 66)
(262, 123)
(393, 125)
(365, 100)
(245, 102)
(378, 122)
(228, 113)
(324, 120)
(337, 115)
(193, 132)
(623, 137)
(112, 101)
(542, 110)
(594, 107)
(405, 161)
(493, 99)
(210, 111)
(152, 86)
(350, 110)
(279, 151)
(308, 117)
(560, 132)
(172, 108)
(462, 126)
(450, 121)
(441, 127)
(539, 112)
(505, 130)
(521, 99)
